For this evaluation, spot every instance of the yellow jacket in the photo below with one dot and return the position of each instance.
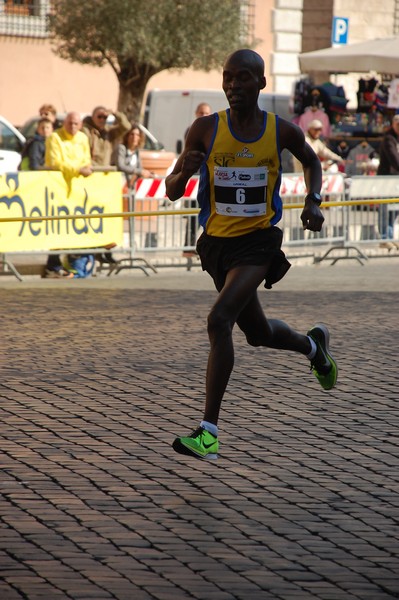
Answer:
(67, 153)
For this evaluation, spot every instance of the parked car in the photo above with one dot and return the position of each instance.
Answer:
(154, 157)
(11, 143)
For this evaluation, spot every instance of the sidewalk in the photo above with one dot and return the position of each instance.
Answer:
(377, 274)
(97, 378)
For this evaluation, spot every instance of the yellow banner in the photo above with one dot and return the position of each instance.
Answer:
(38, 194)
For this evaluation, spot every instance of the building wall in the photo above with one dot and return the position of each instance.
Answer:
(30, 74)
(287, 29)
(368, 20)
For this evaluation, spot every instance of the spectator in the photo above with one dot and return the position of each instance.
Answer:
(48, 111)
(102, 140)
(203, 110)
(34, 151)
(81, 265)
(103, 137)
(389, 165)
(68, 151)
(325, 155)
(126, 156)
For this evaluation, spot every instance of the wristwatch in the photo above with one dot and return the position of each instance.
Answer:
(315, 197)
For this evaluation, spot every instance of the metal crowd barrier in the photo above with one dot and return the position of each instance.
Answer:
(354, 211)
(165, 228)
(374, 217)
(158, 232)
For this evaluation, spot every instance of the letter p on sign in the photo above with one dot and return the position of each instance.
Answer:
(340, 31)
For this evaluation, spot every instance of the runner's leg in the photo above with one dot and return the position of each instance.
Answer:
(272, 333)
(240, 286)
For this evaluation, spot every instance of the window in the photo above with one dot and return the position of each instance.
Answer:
(27, 18)
(248, 21)
(19, 7)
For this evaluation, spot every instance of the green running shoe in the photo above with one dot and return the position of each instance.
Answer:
(322, 364)
(200, 444)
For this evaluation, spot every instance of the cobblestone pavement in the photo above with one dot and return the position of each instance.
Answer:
(95, 383)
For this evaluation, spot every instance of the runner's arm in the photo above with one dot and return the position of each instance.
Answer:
(191, 158)
(293, 139)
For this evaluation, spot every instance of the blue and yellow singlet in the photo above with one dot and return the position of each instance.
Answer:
(240, 180)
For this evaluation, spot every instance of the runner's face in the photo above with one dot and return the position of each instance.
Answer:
(241, 84)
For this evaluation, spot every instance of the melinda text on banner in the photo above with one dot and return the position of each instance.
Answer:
(38, 194)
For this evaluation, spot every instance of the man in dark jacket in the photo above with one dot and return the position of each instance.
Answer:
(389, 165)
(103, 137)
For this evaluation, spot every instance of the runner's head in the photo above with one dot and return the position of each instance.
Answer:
(243, 78)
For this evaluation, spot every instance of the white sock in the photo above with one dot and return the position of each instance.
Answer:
(313, 351)
(211, 427)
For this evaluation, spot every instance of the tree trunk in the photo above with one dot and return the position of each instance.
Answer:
(130, 100)
(133, 81)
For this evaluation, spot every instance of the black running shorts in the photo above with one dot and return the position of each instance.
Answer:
(219, 255)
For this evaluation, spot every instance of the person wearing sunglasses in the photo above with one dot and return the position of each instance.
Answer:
(104, 136)
(103, 139)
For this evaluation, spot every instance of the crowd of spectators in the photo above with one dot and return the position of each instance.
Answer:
(79, 147)
(76, 147)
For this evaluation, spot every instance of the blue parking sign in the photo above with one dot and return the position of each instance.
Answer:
(339, 34)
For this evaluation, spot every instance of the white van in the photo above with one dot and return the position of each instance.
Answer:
(168, 113)
(11, 143)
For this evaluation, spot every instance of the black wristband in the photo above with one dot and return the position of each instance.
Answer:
(315, 197)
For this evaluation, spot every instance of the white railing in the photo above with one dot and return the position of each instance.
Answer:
(164, 228)
(354, 211)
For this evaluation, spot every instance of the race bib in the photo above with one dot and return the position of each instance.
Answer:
(240, 191)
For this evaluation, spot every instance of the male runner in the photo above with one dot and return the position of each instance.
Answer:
(238, 154)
